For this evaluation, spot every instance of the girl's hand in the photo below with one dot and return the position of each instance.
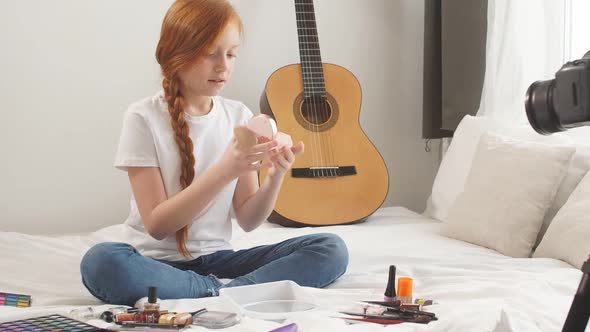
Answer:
(237, 160)
(282, 159)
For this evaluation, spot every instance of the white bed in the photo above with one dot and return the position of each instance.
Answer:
(476, 288)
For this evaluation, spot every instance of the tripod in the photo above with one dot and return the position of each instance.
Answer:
(577, 318)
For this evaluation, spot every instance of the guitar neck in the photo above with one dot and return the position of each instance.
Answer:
(309, 50)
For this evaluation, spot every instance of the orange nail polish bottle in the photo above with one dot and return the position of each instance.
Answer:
(404, 289)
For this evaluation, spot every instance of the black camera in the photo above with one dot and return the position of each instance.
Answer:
(557, 105)
(577, 318)
(563, 102)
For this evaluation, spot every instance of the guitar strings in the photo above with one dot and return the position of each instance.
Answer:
(316, 74)
(316, 71)
(300, 34)
(324, 106)
(325, 136)
(308, 71)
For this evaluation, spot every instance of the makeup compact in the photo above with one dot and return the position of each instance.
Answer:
(215, 319)
(263, 126)
(260, 128)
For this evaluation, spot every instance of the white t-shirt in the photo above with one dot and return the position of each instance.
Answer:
(147, 140)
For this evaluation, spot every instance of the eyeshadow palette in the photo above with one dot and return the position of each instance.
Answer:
(15, 300)
(48, 323)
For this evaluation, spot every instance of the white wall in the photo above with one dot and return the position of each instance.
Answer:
(70, 68)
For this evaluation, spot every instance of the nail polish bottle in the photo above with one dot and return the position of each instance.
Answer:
(390, 290)
(404, 290)
(151, 309)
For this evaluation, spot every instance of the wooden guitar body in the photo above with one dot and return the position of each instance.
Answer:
(340, 178)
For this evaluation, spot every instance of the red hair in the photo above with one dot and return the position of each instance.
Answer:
(189, 30)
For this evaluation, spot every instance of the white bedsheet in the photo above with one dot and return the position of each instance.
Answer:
(477, 289)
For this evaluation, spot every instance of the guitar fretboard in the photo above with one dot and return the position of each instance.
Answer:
(309, 50)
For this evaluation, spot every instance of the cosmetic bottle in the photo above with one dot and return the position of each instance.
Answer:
(167, 318)
(390, 290)
(404, 290)
(151, 309)
(125, 317)
(110, 314)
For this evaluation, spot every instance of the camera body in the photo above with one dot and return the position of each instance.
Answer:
(579, 313)
(557, 105)
(563, 102)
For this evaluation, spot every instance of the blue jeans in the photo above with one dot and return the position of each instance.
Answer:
(116, 273)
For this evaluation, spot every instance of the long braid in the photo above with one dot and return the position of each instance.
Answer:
(185, 146)
(189, 29)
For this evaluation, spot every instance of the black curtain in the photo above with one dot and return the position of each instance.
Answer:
(454, 63)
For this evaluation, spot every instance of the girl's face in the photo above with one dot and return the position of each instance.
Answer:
(208, 75)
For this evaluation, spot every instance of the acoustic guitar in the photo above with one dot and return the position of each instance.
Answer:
(340, 178)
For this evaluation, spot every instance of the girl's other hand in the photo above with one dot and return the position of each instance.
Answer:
(282, 159)
(237, 160)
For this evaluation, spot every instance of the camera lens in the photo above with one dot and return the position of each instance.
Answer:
(539, 107)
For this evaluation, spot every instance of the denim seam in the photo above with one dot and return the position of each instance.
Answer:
(291, 247)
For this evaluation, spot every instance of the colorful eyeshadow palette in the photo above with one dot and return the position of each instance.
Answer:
(15, 300)
(48, 324)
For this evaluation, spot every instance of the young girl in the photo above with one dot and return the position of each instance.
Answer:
(186, 173)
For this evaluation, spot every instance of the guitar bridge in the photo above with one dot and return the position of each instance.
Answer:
(323, 171)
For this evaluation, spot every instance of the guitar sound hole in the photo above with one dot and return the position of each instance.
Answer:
(316, 110)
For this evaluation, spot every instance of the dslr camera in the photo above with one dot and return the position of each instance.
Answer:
(563, 102)
(557, 105)
(577, 317)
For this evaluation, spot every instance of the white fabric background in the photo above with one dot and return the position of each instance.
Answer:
(525, 43)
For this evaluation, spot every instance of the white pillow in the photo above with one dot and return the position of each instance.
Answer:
(454, 167)
(578, 167)
(568, 235)
(509, 188)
